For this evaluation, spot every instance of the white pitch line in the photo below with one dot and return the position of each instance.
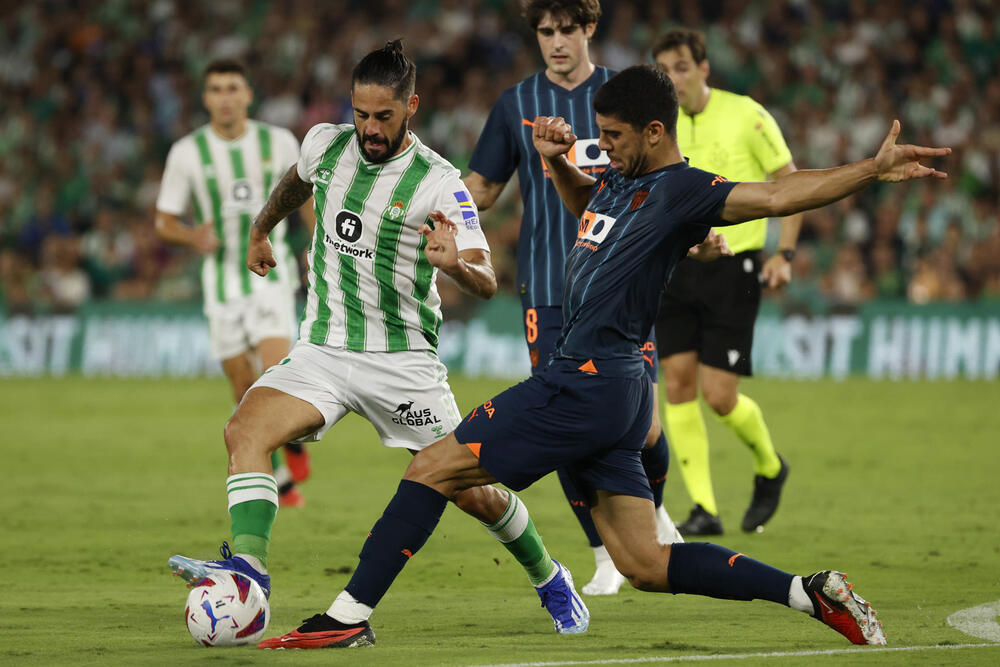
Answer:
(744, 656)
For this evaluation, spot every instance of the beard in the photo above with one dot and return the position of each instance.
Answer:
(391, 145)
(637, 168)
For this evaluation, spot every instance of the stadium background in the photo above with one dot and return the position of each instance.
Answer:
(895, 282)
(894, 482)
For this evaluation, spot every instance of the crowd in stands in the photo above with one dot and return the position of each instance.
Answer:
(93, 94)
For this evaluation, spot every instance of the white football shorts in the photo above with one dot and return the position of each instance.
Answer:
(405, 395)
(238, 325)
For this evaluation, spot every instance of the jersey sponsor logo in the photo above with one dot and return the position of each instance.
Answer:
(594, 228)
(241, 199)
(586, 155)
(349, 231)
(488, 410)
(468, 209)
(405, 414)
(242, 190)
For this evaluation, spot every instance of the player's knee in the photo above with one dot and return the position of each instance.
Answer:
(681, 387)
(236, 435)
(720, 400)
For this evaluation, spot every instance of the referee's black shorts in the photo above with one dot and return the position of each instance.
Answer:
(710, 307)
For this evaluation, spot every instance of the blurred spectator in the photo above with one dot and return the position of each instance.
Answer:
(93, 93)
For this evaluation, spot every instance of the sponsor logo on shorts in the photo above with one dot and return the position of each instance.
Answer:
(406, 415)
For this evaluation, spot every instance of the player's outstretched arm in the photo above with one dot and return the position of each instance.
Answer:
(290, 193)
(553, 138)
(471, 268)
(812, 188)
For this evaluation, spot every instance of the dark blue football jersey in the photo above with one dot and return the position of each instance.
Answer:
(548, 230)
(629, 239)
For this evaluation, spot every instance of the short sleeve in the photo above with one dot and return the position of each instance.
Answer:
(455, 202)
(766, 141)
(701, 198)
(313, 146)
(495, 156)
(175, 186)
(288, 149)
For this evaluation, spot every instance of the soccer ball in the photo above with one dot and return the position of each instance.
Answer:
(226, 609)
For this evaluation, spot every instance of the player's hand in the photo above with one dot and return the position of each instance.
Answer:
(260, 254)
(552, 136)
(896, 162)
(776, 272)
(713, 247)
(204, 239)
(441, 249)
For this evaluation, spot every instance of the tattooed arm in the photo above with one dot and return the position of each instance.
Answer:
(290, 193)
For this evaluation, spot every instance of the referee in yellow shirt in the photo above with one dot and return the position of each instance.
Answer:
(704, 331)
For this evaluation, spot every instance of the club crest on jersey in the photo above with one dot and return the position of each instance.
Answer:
(594, 228)
(468, 209)
(347, 237)
(395, 211)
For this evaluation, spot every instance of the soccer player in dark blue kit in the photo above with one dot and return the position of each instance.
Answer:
(589, 409)
(564, 88)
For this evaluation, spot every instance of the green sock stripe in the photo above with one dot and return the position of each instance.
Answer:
(507, 516)
(254, 486)
(253, 519)
(244, 478)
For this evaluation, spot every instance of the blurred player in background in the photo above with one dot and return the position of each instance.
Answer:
(224, 172)
(548, 230)
(588, 410)
(707, 312)
(368, 340)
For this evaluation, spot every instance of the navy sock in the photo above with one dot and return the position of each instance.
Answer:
(581, 508)
(700, 568)
(407, 522)
(656, 462)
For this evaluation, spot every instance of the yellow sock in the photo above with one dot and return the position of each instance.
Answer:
(747, 422)
(689, 442)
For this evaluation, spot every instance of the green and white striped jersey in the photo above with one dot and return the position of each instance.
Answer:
(227, 183)
(371, 287)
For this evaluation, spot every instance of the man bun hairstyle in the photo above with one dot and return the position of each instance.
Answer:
(387, 67)
(675, 39)
(225, 66)
(579, 12)
(638, 95)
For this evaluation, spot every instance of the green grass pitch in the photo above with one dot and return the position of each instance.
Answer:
(897, 484)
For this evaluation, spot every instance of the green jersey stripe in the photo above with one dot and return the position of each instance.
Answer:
(429, 321)
(198, 215)
(386, 247)
(212, 185)
(354, 309)
(321, 326)
(264, 141)
(239, 173)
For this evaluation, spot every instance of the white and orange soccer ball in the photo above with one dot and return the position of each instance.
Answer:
(227, 609)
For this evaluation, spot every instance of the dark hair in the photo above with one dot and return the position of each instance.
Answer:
(387, 67)
(579, 12)
(226, 66)
(693, 39)
(638, 95)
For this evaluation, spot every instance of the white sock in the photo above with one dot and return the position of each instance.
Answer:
(798, 598)
(512, 522)
(601, 555)
(349, 611)
(253, 562)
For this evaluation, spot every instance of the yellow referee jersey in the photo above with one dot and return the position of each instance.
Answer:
(735, 137)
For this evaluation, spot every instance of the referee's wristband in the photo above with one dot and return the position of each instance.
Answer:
(787, 253)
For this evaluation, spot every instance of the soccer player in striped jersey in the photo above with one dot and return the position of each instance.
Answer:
(368, 341)
(548, 230)
(224, 172)
(588, 410)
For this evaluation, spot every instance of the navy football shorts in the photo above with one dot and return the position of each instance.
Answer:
(593, 425)
(542, 328)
